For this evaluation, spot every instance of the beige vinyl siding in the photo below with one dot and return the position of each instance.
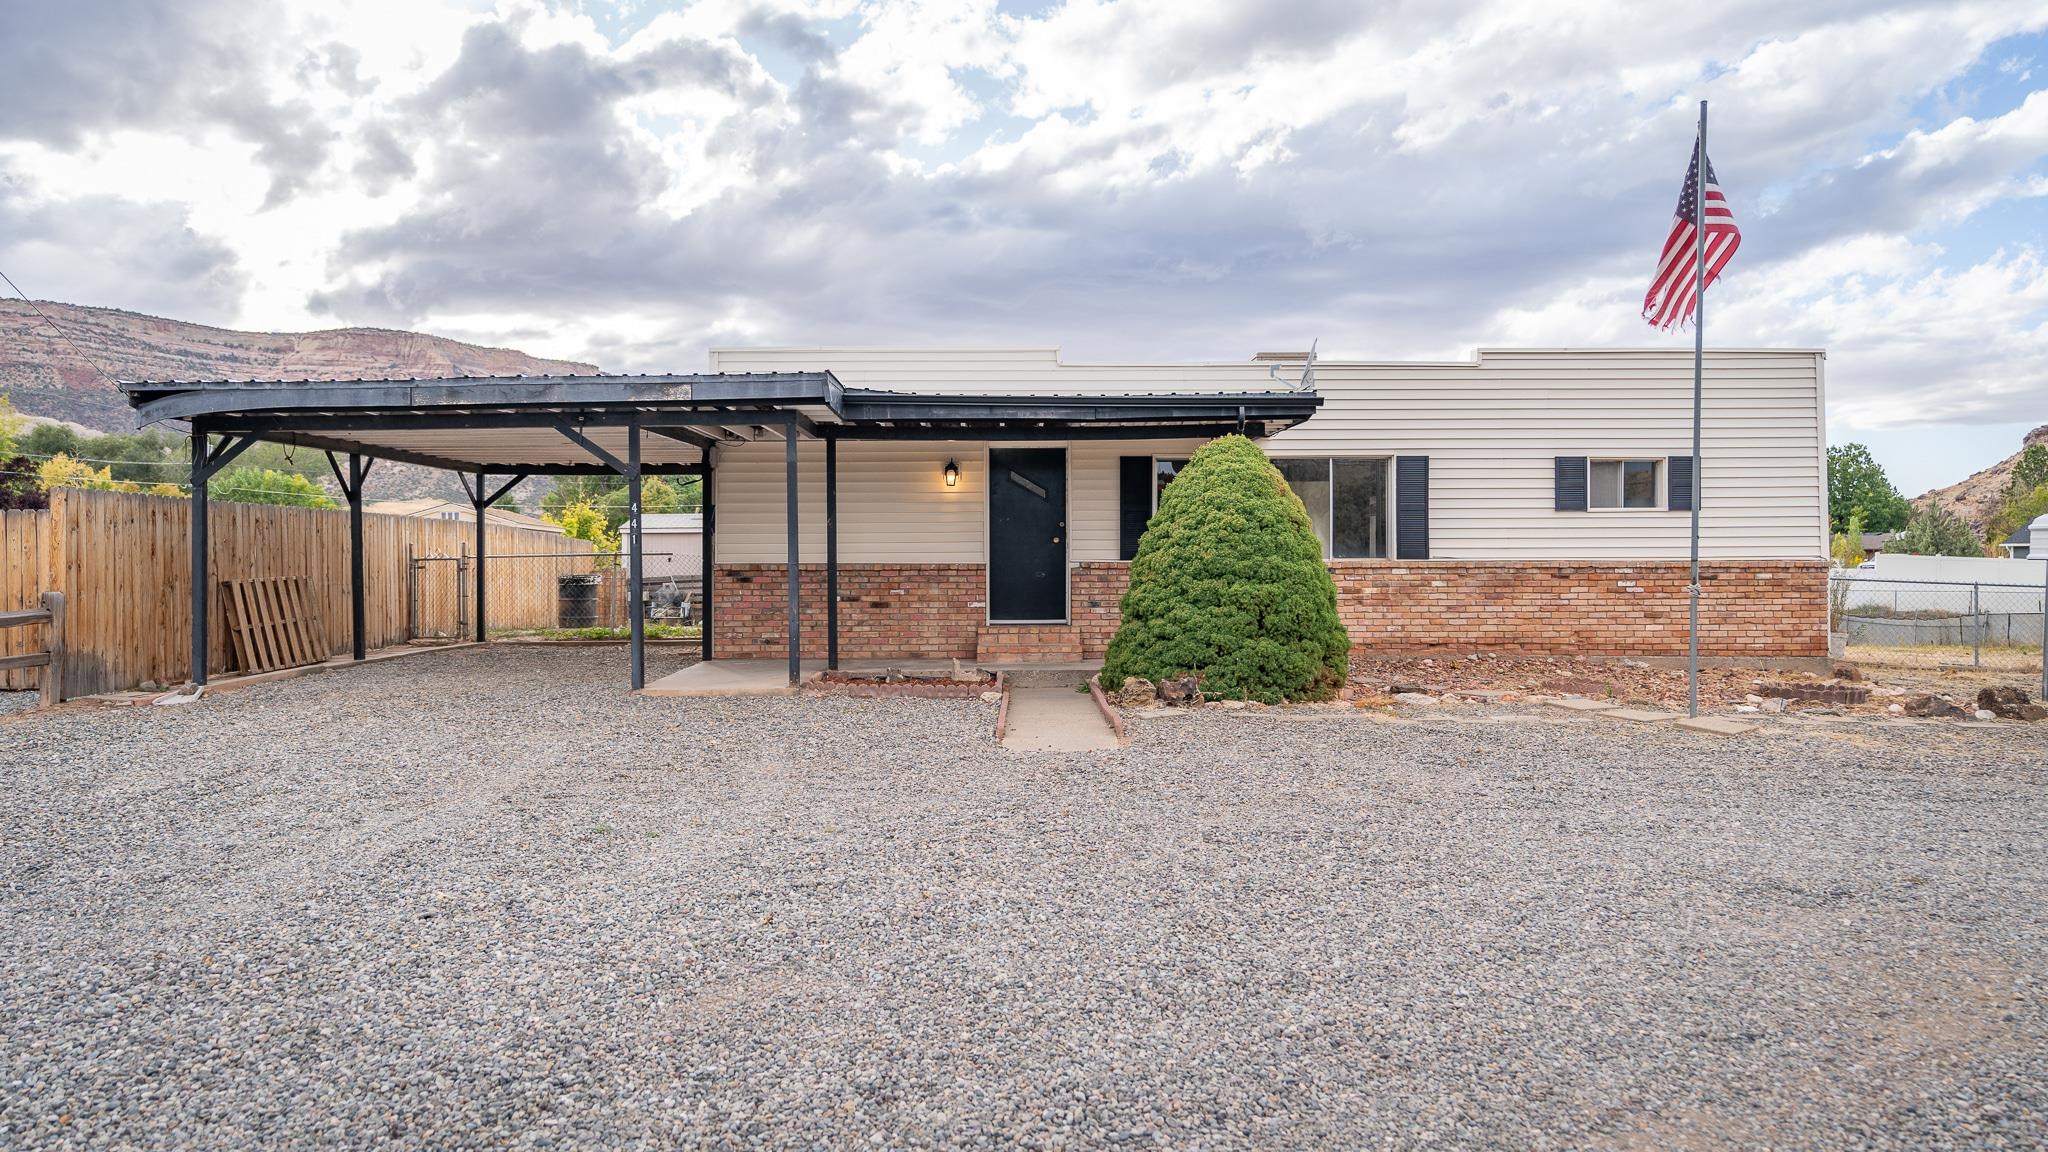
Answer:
(1092, 499)
(893, 503)
(1490, 427)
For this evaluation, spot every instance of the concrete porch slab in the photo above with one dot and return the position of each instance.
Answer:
(730, 678)
(771, 677)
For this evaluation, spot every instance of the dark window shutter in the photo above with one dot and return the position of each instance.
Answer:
(1569, 483)
(1678, 483)
(1411, 507)
(1134, 502)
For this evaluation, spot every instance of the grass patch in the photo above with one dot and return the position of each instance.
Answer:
(653, 632)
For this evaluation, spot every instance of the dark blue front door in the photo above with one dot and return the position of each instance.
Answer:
(1027, 534)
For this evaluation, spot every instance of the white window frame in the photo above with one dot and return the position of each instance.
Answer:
(1156, 462)
(1330, 512)
(1660, 498)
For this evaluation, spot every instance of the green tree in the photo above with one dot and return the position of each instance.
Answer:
(1857, 484)
(1847, 545)
(11, 426)
(583, 521)
(250, 484)
(608, 495)
(2029, 472)
(1936, 531)
(2015, 514)
(46, 440)
(1229, 584)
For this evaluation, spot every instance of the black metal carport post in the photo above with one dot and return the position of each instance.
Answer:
(832, 552)
(481, 498)
(636, 628)
(796, 644)
(200, 569)
(482, 480)
(352, 488)
(709, 537)
(206, 463)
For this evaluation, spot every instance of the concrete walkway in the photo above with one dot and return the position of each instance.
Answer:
(1055, 720)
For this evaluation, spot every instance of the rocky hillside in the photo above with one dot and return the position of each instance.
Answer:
(48, 377)
(1977, 498)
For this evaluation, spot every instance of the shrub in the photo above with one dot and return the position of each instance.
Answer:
(1229, 585)
(1936, 531)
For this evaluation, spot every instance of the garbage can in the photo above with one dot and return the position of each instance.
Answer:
(576, 600)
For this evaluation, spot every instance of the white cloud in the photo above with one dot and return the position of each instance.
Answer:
(1121, 177)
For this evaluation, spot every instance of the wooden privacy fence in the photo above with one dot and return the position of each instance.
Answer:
(123, 564)
(49, 662)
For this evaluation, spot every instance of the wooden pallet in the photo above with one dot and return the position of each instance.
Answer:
(274, 623)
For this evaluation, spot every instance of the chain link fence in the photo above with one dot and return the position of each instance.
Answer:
(1937, 624)
(538, 594)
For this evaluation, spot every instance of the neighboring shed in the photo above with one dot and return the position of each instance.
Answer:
(435, 508)
(674, 543)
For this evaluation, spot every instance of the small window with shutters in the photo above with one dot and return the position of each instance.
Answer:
(1349, 502)
(1624, 484)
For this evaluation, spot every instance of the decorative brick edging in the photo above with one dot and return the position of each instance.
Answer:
(916, 689)
(1110, 715)
(1818, 693)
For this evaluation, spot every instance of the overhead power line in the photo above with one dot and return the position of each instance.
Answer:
(61, 334)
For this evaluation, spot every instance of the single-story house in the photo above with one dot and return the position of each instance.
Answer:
(1524, 501)
(984, 503)
(436, 508)
(2019, 545)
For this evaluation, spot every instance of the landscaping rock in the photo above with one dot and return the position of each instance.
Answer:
(1848, 672)
(1186, 690)
(1773, 704)
(1423, 699)
(1398, 689)
(1986, 714)
(1937, 707)
(2010, 704)
(1137, 692)
(1819, 693)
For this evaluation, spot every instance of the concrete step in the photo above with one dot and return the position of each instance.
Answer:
(1027, 644)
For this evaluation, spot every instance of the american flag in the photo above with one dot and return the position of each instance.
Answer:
(1673, 293)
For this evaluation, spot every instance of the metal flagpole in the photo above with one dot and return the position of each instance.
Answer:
(1699, 350)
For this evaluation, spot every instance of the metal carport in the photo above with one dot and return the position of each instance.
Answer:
(511, 428)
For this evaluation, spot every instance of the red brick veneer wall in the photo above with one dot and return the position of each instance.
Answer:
(1763, 608)
(910, 610)
(1759, 608)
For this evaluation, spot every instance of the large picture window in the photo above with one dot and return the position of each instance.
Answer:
(1623, 483)
(1348, 501)
(1163, 472)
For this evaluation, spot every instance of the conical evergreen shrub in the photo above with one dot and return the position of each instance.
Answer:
(1229, 584)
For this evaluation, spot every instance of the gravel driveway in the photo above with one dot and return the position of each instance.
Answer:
(486, 898)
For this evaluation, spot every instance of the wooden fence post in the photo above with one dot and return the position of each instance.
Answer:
(53, 672)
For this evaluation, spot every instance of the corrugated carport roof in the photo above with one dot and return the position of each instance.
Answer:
(523, 424)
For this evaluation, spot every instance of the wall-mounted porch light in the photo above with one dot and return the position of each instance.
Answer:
(952, 474)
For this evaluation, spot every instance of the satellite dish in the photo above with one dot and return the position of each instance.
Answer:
(1307, 383)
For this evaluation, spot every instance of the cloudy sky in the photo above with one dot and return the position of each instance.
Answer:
(631, 183)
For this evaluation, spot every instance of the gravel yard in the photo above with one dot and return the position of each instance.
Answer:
(487, 898)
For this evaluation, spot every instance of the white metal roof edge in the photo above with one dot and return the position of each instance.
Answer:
(1478, 354)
